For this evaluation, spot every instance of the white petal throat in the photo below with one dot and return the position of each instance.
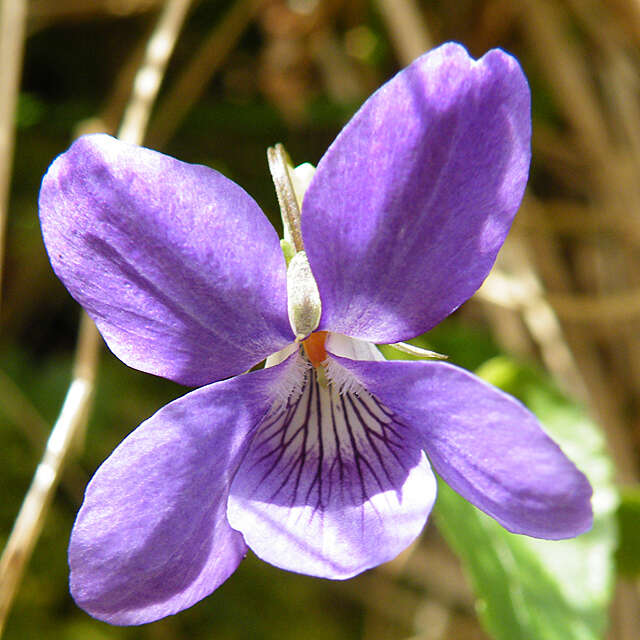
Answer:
(333, 483)
(325, 438)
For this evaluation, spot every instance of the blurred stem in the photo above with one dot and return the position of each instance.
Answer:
(149, 77)
(206, 61)
(407, 28)
(521, 290)
(19, 410)
(75, 409)
(28, 524)
(13, 14)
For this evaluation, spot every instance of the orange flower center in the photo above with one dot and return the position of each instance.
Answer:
(314, 347)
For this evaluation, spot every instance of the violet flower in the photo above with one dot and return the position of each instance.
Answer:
(317, 461)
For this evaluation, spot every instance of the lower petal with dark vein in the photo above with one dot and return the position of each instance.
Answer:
(332, 484)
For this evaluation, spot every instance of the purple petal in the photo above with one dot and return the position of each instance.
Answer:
(409, 206)
(485, 445)
(331, 485)
(177, 265)
(152, 536)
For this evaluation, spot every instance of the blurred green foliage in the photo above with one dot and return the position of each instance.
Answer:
(529, 588)
(628, 552)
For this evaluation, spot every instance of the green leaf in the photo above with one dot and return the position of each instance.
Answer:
(628, 552)
(529, 588)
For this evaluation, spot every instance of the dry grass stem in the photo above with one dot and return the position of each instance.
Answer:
(407, 28)
(149, 77)
(207, 60)
(73, 415)
(71, 422)
(13, 16)
(565, 69)
(521, 290)
(21, 412)
(42, 13)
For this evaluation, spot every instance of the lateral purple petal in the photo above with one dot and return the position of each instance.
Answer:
(331, 485)
(177, 265)
(485, 445)
(409, 206)
(152, 536)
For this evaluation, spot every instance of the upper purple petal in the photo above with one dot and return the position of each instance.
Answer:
(411, 203)
(177, 265)
(152, 536)
(486, 445)
(332, 484)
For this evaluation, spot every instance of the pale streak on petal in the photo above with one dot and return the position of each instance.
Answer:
(282, 355)
(353, 348)
(418, 352)
(301, 178)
